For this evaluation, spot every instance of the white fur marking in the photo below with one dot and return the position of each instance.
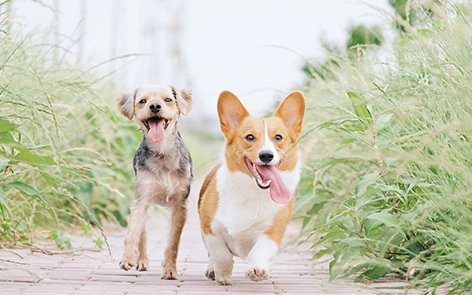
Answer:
(269, 146)
(244, 210)
(262, 252)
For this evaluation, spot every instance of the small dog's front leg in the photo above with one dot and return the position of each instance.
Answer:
(135, 242)
(143, 261)
(259, 258)
(179, 216)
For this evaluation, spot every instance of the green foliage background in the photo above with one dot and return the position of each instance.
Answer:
(387, 185)
(64, 156)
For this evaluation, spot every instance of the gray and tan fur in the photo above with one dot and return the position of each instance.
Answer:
(163, 170)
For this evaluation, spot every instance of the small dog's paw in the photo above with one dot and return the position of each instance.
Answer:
(169, 273)
(223, 279)
(129, 260)
(257, 274)
(169, 270)
(143, 264)
(210, 274)
(126, 265)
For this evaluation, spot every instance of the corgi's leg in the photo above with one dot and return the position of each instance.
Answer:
(259, 258)
(210, 271)
(220, 265)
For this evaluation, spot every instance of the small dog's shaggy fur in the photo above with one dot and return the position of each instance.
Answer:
(163, 169)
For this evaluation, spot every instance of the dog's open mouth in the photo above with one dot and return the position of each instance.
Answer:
(156, 128)
(267, 176)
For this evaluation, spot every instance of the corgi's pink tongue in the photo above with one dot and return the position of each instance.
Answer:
(156, 130)
(279, 192)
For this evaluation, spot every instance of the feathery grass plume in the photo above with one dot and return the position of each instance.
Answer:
(62, 151)
(387, 187)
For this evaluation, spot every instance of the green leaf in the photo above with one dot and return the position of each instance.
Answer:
(49, 179)
(387, 219)
(6, 126)
(60, 240)
(371, 225)
(25, 155)
(21, 226)
(373, 273)
(30, 158)
(425, 32)
(99, 243)
(4, 203)
(365, 181)
(360, 107)
(85, 227)
(30, 191)
(382, 121)
(321, 253)
(4, 164)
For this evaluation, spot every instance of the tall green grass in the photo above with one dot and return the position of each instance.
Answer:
(65, 158)
(387, 186)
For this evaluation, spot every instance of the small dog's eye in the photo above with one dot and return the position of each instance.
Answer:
(278, 137)
(250, 137)
(142, 101)
(168, 99)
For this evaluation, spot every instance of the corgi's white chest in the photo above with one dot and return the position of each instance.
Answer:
(242, 205)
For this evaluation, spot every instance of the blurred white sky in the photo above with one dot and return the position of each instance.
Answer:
(254, 48)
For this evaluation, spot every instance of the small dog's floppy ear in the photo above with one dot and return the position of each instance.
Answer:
(184, 100)
(125, 104)
(230, 111)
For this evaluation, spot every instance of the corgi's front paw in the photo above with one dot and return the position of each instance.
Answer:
(257, 274)
(210, 274)
(224, 279)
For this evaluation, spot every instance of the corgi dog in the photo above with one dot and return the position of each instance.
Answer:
(247, 200)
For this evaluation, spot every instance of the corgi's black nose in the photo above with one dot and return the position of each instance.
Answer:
(155, 108)
(266, 156)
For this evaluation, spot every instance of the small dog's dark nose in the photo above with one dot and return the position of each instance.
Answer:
(155, 108)
(266, 156)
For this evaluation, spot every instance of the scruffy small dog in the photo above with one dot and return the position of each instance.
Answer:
(163, 169)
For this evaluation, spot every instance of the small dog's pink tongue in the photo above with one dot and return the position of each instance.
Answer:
(156, 130)
(279, 192)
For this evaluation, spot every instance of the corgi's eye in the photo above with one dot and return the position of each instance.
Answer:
(168, 100)
(142, 101)
(278, 137)
(250, 137)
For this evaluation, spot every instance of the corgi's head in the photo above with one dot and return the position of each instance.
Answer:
(262, 148)
(156, 109)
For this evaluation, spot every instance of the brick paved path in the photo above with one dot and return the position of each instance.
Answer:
(95, 272)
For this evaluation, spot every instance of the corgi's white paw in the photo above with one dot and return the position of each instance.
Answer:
(257, 274)
(223, 279)
(210, 274)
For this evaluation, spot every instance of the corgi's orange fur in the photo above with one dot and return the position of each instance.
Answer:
(247, 200)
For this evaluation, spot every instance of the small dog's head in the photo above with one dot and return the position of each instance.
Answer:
(156, 109)
(262, 148)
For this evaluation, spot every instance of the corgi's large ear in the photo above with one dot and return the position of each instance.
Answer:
(291, 111)
(125, 104)
(184, 100)
(231, 111)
